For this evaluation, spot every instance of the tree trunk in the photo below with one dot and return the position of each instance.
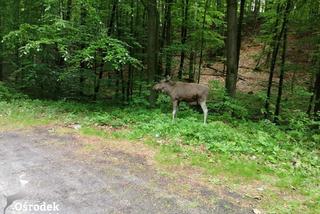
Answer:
(232, 68)
(168, 36)
(191, 66)
(69, 9)
(123, 86)
(219, 4)
(16, 25)
(153, 40)
(112, 18)
(283, 62)
(317, 95)
(311, 90)
(202, 38)
(130, 70)
(185, 9)
(97, 88)
(276, 44)
(153, 45)
(242, 4)
(1, 63)
(256, 9)
(1, 49)
(82, 64)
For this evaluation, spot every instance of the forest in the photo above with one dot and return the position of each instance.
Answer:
(93, 63)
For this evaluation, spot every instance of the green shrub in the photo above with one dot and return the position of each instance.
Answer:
(7, 93)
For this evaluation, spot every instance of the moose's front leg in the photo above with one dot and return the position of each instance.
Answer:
(175, 109)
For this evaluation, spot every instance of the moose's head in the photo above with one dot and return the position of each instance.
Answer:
(164, 85)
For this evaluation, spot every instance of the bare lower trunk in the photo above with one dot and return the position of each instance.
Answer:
(113, 17)
(311, 90)
(317, 95)
(183, 36)
(97, 88)
(283, 61)
(202, 38)
(232, 68)
(153, 45)
(276, 45)
(191, 66)
(242, 4)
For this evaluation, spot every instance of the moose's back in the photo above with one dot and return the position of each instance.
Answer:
(190, 92)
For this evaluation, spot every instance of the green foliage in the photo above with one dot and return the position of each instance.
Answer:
(8, 94)
(221, 103)
(113, 52)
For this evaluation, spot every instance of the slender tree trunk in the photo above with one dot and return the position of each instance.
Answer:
(168, 36)
(1, 49)
(112, 18)
(110, 31)
(1, 63)
(130, 70)
(317, 95)
(97, 88)
(256, 10)
(202, 38)
(275, 44)
(311, 90)
(183, 36)
(191, 66)
(283, 62)
(83, 13)
(153, 45)
(123, 86)
(293, 81)
(59, 58)
(61, 9)
(242, 4)
(16, 24)
(153, 40)
(232, 68)
(69, 9)
(219, 4)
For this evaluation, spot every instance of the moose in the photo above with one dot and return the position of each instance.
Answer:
(182, 91)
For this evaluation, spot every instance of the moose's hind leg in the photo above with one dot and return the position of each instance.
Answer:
(205, 111)
(175, 109)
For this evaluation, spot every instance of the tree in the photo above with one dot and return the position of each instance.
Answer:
(317, 93)
(167, 30)
(202, 37)
(232, 44)
(1, 34)
(152, 44)
(283, 61)
(242, 8)
(275, 45)
(185, 14)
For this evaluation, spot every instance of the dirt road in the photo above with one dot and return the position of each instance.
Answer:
(49, 169)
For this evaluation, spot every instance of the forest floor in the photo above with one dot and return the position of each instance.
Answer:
(250, 80)
(93, 175)
(255, 80)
